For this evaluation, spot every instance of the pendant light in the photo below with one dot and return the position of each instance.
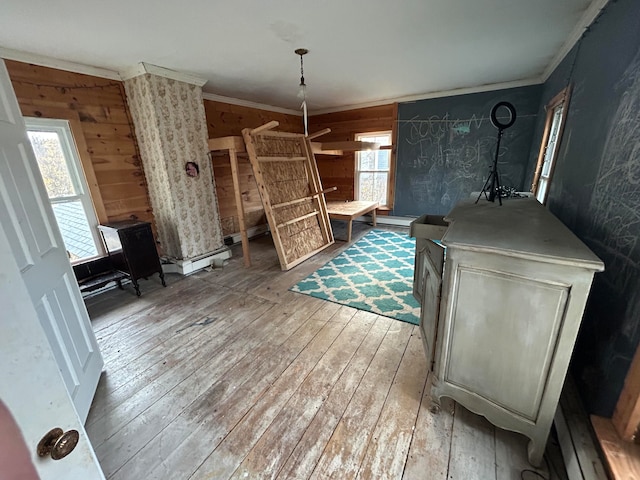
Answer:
(302, 93)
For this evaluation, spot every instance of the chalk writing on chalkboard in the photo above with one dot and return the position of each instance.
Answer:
(615, 202)
(454, 155)
(446, 147)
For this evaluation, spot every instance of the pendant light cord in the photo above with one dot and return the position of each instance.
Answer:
(303, 87)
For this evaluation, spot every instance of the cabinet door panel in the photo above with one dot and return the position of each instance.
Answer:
(516, 321)
(419, 271)
(432, 261)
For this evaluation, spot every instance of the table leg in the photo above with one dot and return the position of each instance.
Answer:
(349, 225)
(373, 214)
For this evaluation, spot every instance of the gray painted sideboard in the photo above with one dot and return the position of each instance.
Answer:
(501, 311)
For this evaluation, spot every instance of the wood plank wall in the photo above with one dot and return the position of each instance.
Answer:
(340, 171)
(223, 120)
(100, 106)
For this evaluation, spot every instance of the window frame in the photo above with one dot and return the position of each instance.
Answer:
(76, 163)
(561, 99)
(390, 171)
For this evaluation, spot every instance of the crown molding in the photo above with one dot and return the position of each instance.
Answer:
(439, 94)
(585, 21)
(143, 68)
(43, 61)
(245, 103)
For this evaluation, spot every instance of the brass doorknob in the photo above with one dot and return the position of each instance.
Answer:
(58, 443)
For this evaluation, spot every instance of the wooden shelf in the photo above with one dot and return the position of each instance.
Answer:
(101, 280)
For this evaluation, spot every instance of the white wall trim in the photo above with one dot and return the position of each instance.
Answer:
(439, 94)
(246, 103)
(43, 61)
(251, 232)
(585, 21)
(142, 68)
(192, 265)
(387, 220)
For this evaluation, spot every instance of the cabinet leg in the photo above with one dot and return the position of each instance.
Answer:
(434, 401)
(535, 452)
(164, 284)
(434, 405)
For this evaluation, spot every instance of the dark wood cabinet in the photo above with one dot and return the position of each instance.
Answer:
(132, 250)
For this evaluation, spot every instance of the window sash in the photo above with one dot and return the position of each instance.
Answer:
(383, 139)
(76, 175)
(554, 126)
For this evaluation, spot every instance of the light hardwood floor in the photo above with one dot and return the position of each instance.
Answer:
(227, 374)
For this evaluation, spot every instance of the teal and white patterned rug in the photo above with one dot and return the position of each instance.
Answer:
(375, 274)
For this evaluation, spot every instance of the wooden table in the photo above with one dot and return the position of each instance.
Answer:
(347, 211)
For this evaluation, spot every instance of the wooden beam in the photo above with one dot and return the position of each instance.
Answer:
(318, 134)
(298, 219)
(391, 181)
(622, 458)
(264, 193)
(316, 182)
(270, 133)
(292, 244)
(626, 416)
(281, 159)
(316, 148)
(298, 200)
(350, 146)
(233, 144)
(240, 208)
(227, 143)
(267, 126)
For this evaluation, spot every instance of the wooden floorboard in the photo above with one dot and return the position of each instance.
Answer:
(227, 374)
(347, 446)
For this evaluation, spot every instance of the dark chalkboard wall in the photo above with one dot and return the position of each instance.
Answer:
(595, 191)
(446, 146)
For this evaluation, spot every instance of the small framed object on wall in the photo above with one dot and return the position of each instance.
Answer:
(192, 169)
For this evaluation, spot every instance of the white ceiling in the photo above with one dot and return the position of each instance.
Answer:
(360, 51)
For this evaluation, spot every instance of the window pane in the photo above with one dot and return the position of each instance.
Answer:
(373, 168)
(553, 139)
(75, 229)
(54, 169)
(373, 187)
(382, 140)
(61, 172)
(366, 187)
(367, 160)
(542, 189)
(383, 160)
(380, 188)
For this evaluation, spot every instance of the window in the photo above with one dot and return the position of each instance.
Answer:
(373, 169)
(64, 179)
(556, 114)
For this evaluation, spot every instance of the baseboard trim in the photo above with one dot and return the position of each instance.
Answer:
(386, 220)
(252, 232)
(193, 265)
(577, 442)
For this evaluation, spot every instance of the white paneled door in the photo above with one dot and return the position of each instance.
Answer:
(34, 260)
